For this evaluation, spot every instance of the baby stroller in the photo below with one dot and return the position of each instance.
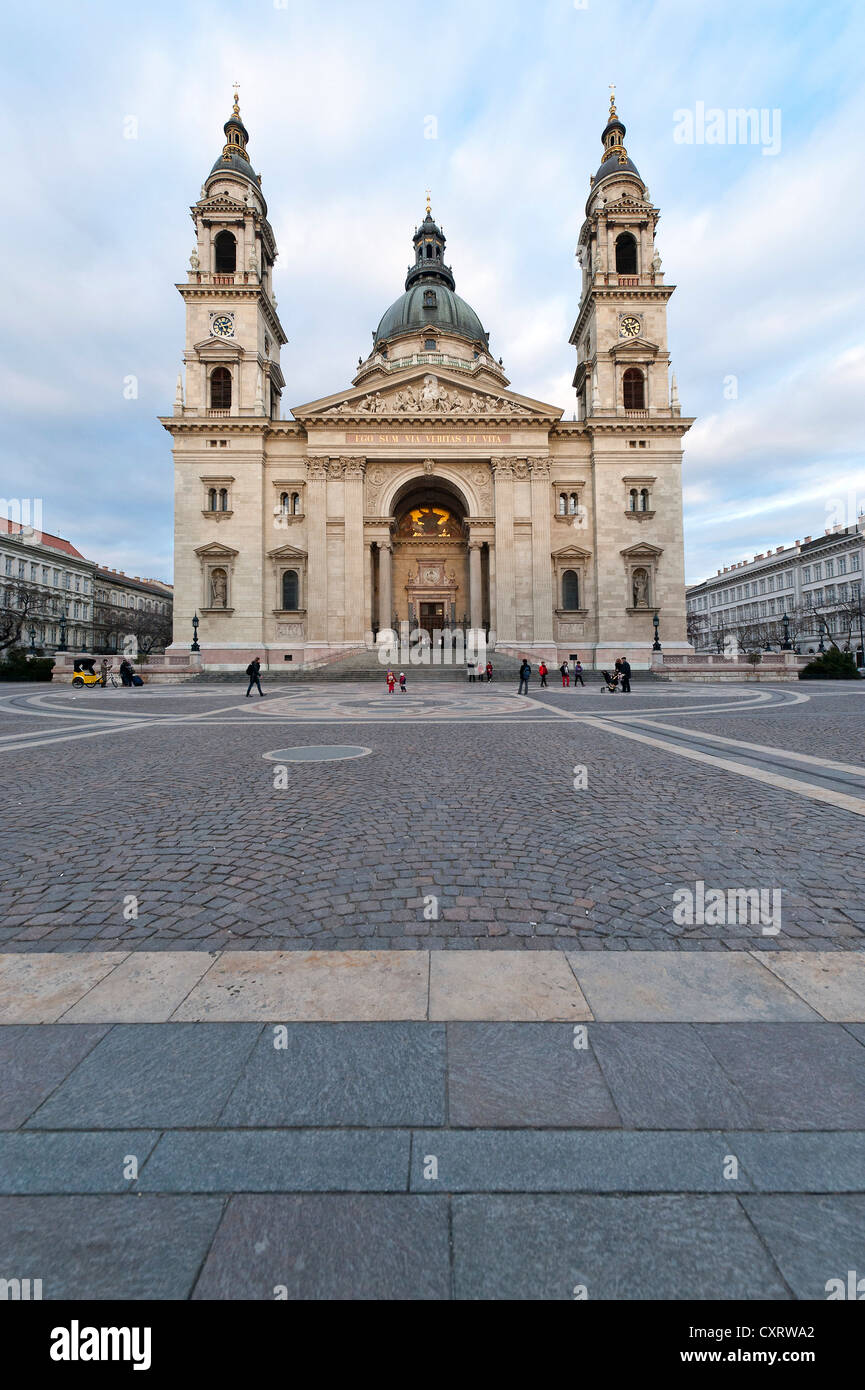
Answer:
(611, 682)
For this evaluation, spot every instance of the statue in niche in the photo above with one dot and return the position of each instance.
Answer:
(641, 589)
(218, 589)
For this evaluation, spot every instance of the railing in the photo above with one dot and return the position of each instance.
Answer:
(223, 279)
(218, 414)
(637, 414)
(628, 279)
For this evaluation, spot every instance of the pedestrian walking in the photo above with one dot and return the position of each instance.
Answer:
(391, 682)
(625, 668)
(489, 672)
(253, 670)
(578, 673)
(542, 672)
(402, 682)
(471, 672)
(566, 674)
(103, 672)
(525, 673)
(126, 671)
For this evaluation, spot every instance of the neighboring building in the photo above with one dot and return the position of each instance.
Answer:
(817, 584)
(128, 607)
(47, 585)
(426, 491)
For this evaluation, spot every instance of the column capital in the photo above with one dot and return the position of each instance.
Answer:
(354, 467)
(504, 466)
(539, 467)
(318, 469)
(475, 545)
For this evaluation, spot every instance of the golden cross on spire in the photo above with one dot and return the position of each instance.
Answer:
(612, 100)
(236, 109)
(428, 203)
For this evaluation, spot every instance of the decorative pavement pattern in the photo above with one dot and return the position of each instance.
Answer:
(552, 1090)
(480, 819)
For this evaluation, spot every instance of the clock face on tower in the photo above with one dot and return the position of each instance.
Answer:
(629, 327)
(222, 325)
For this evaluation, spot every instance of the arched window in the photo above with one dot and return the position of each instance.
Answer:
(429, 250)
(573, 503)
(223, 499)
(644, 500)
(225, 254)
(290, 591)
(570, 590)
(626, 254)
(634, 495)
(211, 500)
(284, 504)
(295, 504)
(220, 389)
(634, 389)
(563, 504)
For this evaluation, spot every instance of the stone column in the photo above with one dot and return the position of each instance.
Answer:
(355, 626)
(542, 582)
(316, 617)
(370, 607)
(476, 596)
(385, 584)
(506, 618)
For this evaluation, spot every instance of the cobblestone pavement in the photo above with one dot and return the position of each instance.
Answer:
(431, 1160)
(151, 818)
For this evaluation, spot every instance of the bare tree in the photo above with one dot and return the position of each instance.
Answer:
(20, 603)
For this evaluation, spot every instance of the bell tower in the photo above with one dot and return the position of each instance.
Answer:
(233, 332)
(621, 329)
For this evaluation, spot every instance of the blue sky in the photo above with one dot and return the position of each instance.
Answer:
(764, 249)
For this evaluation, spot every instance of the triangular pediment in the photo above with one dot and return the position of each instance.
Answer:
(225, 347)
(642, 551)
(571, 552)
(634, 347)
(215, 551)
(286, 552)
(422, 393)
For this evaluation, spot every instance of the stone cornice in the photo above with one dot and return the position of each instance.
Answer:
(625, 293)
(238, 292)
(614, 425)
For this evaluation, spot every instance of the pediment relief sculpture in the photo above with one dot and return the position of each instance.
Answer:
(432, 397)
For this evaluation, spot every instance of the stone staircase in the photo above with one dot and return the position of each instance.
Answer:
(364, 666)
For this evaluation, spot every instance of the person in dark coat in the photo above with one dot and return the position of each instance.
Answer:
(578, 673)
(525, 673)
(625, 671)
(126, 671)
(253, 670)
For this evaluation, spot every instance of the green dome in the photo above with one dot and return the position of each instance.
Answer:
(431, 305)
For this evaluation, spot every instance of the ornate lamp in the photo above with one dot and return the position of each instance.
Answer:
(656, 645)
(786, 645)
(195, 647)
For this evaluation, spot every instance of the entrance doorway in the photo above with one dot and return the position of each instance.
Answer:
(432, 617)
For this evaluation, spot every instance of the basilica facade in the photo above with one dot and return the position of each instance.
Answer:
(426, 491)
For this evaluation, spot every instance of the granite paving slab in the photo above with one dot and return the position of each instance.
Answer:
(622, 1248)
(832, 982)
(347, 1248)
(295, 1160)
(34, 1060)
(813, 1240)
(513, 1074)
(71, 1161)
(663, 1076)
(307, 1074)
(40, 986)
(131, 1247)
(793, 1076)
(151, 1076)
(800, 1162)
(570, 1161)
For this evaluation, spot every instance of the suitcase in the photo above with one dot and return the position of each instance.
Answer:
(136, 680)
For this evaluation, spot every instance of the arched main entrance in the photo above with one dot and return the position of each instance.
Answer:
(430, 557)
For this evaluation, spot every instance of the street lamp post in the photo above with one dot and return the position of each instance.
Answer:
(32, 635)
(195, 621)
(656, 645)
(61, 645)
(786, 645)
